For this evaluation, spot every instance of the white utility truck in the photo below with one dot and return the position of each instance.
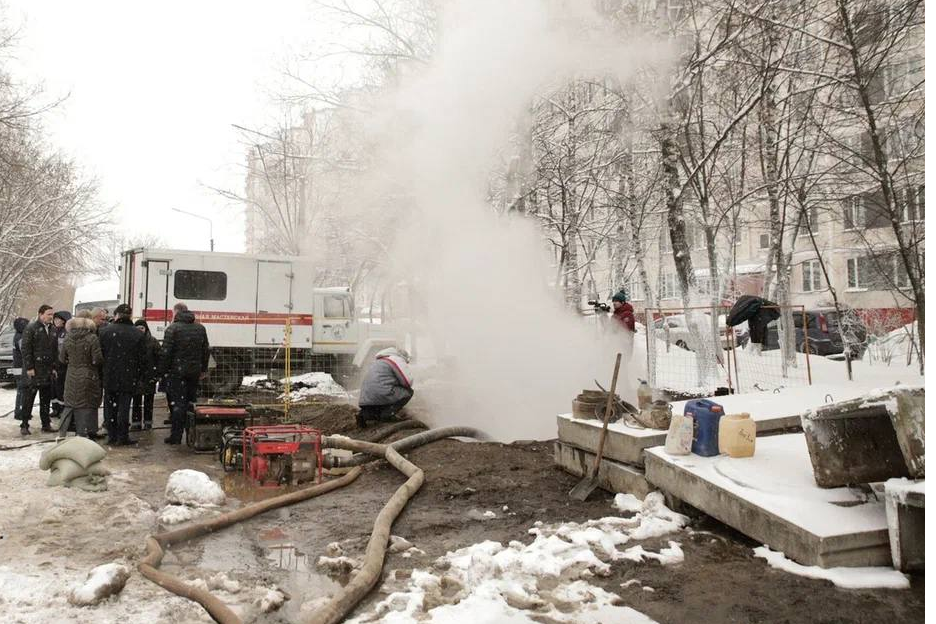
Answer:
(245, 301)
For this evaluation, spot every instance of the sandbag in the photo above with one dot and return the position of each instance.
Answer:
(64, 470)
(88, 483)
(98, 469)
(78, 449)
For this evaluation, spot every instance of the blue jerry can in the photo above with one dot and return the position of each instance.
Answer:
(705, 417)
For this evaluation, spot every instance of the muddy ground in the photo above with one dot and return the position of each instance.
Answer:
(720, 580)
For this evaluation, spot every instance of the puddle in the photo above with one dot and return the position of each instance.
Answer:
(301, 581)
(287, 557)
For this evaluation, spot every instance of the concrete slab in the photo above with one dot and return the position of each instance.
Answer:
(612, 476)
(773, 498)
(626, 444)
(905, 502)
(910, 424)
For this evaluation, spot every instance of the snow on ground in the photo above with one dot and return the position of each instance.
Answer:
(52, 537)
(849, 578)
(547, 579)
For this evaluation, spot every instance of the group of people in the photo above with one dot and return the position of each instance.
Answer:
(75, 363)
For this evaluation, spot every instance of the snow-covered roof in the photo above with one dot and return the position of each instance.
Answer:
(102, 290)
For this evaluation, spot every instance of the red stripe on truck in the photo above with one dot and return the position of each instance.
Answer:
(232, 318)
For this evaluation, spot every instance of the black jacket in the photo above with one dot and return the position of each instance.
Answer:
(40, 351)
(151, 374)
(19, 326)
(125, 357)
(185, 349)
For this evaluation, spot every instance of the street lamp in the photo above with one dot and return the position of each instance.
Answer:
(198, 216)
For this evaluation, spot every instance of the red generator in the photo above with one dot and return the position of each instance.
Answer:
(276, 455)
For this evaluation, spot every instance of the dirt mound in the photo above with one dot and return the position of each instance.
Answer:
(331, 416)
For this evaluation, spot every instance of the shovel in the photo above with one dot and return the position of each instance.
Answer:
(588, 483)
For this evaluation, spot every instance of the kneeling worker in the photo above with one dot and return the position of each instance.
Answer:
(387, 387)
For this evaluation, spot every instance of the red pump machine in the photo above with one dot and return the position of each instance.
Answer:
(277, 455)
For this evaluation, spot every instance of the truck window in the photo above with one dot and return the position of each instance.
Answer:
(200, 285)
(337, 307)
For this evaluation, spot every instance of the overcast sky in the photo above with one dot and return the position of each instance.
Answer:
(153, 95)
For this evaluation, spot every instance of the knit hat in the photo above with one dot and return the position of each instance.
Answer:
(620, 295)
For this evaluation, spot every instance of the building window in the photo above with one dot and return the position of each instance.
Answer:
(666, 243)
(881, 272)
(854, 212)
(812, 276)
(675, 10)
(899, 78)
(765, 240)
(668, 285)
(636, 289)
(910, 201)
(810, 222)
(200, 285)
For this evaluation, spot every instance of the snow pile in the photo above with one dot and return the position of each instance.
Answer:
(313, 384)
(337, 566)
(102, 582)
(177, 514)
(848, 578)
(627, 502)
(546, 580)
(191, 487)
(188, 494)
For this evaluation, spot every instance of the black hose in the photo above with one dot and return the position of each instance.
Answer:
(383, 432)
(399, 446)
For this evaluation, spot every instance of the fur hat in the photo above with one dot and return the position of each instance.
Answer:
(79, 322)
(123, 309)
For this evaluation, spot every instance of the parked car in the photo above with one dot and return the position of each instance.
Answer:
(824, 333)
(6, 354)
(676, 331)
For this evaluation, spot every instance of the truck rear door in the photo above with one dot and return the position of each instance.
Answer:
(274, 301)
(156, 296)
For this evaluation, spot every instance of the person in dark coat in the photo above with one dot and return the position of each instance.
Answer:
(146, 392)
(387, 387)
(19, 326)
(124, 366)
(758, 312)
(59, 320)
(40, 352)
(184, 362)
(81, 354)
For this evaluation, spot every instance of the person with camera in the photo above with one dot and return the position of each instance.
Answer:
(625, 321)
